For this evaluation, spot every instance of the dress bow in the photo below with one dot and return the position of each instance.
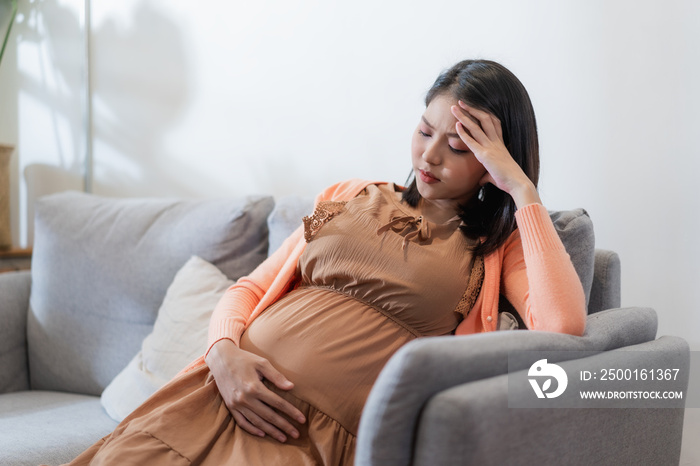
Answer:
(400, 224)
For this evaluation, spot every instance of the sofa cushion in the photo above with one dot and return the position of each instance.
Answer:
(179, 336)
(49, 427)
(575, 230)
(286, 217)
(101, 268)
(14, 290)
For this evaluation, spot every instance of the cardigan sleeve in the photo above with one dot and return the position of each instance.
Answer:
(538, 278)
(233, 311)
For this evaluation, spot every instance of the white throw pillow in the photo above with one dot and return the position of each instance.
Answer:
(179, 337)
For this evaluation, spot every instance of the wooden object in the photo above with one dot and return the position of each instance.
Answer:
(5, 230)
(15, 259)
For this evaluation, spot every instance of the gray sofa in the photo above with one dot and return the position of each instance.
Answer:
(101, 269)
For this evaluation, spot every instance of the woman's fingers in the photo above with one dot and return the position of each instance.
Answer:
(471, 143)
(256, 406)
(485, 140)
(501, 170)
(272, 422)
(488, 122)
(254, 424)
(245, 424)
(471, 126)
(499, 127)
(266, 410)
(268, 371)
(281, 405)
(276, 377)
(263, 418)
(239, 376)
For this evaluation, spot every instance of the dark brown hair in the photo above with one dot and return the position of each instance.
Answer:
(489, 86)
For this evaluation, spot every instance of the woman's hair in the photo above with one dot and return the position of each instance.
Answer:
(489, 86)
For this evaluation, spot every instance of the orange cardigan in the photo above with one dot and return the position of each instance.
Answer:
(531, 269)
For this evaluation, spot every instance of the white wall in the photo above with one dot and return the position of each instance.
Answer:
(226, 98)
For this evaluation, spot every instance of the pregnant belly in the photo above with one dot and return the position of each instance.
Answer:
(330, 345)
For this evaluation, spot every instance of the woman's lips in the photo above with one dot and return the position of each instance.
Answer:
(427, 177)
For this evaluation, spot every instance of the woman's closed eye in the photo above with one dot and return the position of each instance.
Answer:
(459, 151)
(456, 151)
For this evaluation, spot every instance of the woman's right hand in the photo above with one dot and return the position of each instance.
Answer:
(239, 377)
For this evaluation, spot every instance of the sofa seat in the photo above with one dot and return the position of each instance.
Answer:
(64, 424)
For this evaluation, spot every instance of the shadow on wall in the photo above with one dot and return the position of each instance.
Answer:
(56, 34)
(140, 88)
(52, 75)
(42, 180)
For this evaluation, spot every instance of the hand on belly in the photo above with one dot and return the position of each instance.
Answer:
(239, 377)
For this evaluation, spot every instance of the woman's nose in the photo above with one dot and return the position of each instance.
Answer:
(431, 155)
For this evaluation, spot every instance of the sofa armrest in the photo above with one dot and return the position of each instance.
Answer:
(427, 366)
(472, 423)
(605, 289)
(14, 305)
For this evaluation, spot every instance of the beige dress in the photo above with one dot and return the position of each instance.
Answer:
(374, 276)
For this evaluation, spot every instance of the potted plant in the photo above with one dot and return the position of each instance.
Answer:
(12, 6)
(5, 150)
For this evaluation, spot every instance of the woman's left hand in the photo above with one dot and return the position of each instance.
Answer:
(482, 133)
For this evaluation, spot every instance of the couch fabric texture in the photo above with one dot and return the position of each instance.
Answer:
(101, 268)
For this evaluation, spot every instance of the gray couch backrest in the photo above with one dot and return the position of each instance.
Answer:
(101, 268)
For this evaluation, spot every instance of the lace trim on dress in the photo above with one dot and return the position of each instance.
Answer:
(325, 210)
(476, 278)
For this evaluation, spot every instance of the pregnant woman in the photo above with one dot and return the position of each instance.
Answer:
(295, 347)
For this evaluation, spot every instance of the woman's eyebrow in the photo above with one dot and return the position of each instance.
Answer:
(449, 135)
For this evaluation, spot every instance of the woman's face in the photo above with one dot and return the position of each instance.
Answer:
(447, 172)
